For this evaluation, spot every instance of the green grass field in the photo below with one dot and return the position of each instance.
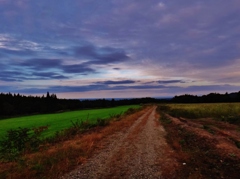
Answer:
(59, 121)
(218, 111)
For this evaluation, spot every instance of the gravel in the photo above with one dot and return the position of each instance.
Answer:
(135, 153)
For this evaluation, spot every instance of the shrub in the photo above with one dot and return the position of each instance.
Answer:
(18, 141)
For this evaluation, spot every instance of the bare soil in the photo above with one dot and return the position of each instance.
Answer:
(140, 151)
(206, 148)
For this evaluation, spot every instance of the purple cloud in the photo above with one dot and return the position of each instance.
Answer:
(138, 41)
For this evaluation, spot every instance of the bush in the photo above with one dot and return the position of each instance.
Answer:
(18, 141)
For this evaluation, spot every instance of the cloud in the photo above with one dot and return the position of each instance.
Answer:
(11, 76)
(77, 69)
(94, 87)
(41, 64)
(170, 81)
(171, 89)
(101, 55)
(113, 40)
(20, 76)
(117, 82)
(48, 75)
(15, 46)
(86, 51)
(16, 52)
(161, 5)
(60, 89)
(41, 69)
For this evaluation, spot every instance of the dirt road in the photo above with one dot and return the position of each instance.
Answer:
(140, 151)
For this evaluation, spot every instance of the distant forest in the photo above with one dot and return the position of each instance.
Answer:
(19, 105)
(209, 98)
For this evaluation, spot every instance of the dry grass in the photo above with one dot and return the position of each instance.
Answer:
(54, 160)
(204, 152)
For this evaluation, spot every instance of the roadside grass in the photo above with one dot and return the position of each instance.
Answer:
(60, 121)
(228, 112)
(54, 158)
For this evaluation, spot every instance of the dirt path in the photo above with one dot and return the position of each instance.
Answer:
(140, 151)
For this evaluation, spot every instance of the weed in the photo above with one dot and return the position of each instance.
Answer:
(232, 155)
(81, 125)
(115, 116)
(165, 119)
(102, 122)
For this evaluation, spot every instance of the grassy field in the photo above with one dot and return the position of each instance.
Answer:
(221, 111)
(59, 121)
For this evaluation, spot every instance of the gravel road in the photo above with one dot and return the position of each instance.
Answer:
(137, 152)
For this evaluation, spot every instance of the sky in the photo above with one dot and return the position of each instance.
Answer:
(119, 48)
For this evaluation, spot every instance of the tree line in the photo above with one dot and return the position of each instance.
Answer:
(19, 105)
(209, 98)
